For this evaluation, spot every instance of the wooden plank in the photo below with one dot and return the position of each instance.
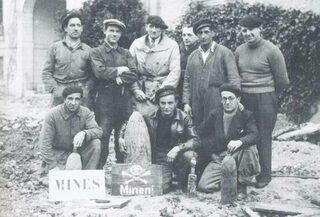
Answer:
(295, 176)
(134, 179)
(249, 212)
(280, 209)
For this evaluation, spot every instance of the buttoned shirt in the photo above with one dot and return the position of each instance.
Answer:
(60, 126)
(65, 64)
(205, 54)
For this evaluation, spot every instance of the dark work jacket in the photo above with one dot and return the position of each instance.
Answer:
(110, 96)
(242, 127)
(182, 131)
(184, 54)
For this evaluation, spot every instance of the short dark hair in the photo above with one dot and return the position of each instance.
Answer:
(70, 90)
(69, 16)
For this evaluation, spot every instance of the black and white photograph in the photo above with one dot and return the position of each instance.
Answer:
(160, 108)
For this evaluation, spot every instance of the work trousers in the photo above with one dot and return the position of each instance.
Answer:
(89, 152)
(112, 109)
(264, 107)
(87, 98)
(181, 166)
(248, 167)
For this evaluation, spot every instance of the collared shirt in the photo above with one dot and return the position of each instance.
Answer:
(205, 54)
(112, 47)
(65, 64)
(154, 42)
(60, 126)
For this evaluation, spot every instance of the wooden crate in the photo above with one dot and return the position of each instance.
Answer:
(135, 179)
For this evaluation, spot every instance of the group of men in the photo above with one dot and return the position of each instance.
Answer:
(195, 98)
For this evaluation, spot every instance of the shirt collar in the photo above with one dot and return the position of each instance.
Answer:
(156, 41)
(109, 47)
(66, 114)
(66, 44)
(213, 46)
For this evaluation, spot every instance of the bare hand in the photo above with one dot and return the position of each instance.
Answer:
(187, 109)
(140, 96)
(122, 69)
(153, 98)
(119, 81)
(172, 154)
(78, 139)
(234, 145)
(122, 147)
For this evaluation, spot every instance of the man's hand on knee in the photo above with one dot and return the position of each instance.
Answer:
(234, 145)
(172, 154)
(78, 139)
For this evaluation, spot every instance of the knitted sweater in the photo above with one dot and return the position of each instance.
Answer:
(261, 67)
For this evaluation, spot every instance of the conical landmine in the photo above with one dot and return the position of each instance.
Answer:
(228, 180)
(137, 140)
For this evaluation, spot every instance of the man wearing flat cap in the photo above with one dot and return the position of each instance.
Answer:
(208, 67)
(115, 72)
(157, 59)
(67, 127)
(263, 77)
(68, 63)
(172, 136)
(235, 132)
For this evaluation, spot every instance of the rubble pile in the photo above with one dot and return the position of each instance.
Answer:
(24, 192)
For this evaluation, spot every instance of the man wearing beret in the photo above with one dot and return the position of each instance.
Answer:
(173, 137)
(67, 127)
(208, 67)
(235, 132)
(157, 59)
(68, 63)
(114, 69)
(263, 77)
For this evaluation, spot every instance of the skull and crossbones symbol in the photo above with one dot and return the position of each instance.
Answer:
(135, 174)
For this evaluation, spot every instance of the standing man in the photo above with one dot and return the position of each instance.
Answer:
(235, 132)
(173, 137)
(263, 77)
(70, 126)
(68, 63)
(208, 67)
(114, 69)
(187, 46)
(158, 62)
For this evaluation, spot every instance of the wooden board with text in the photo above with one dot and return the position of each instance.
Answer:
(135, 179)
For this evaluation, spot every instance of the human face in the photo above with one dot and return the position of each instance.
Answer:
(229, 101)
(112, 34)
(188, 37)
(154, 32)
(74, 28)
(73, 102)
(251, 35)
(167, 105)
(205, 36)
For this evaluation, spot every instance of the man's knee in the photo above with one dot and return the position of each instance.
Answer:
(95, 145)
(188, 155)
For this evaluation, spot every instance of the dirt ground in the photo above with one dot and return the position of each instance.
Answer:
(25, 193)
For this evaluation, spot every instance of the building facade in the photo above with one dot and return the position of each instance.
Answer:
(28, 27)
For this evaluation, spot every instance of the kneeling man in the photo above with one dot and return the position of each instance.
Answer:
(235, 132)
(70, 126)
(173, 137)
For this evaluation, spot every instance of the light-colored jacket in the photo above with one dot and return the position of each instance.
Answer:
(160, 63)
